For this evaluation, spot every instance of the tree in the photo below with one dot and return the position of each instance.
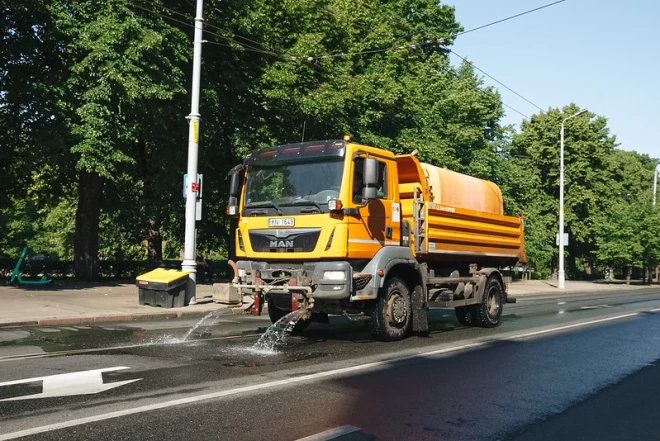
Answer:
(628, 228)
(588, 145)
(122, 67)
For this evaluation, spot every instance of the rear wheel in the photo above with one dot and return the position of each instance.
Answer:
(275, 314)
(488, 313)
(391, 319)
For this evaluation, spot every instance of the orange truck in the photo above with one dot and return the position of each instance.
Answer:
(336, 227)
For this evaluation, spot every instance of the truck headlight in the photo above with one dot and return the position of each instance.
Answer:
(334, 275)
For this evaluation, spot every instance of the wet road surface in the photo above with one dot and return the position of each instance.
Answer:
(549, 356)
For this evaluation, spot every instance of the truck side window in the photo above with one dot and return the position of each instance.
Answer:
(358, 181)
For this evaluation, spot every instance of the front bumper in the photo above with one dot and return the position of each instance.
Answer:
(307, 278)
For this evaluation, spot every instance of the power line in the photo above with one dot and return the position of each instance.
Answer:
(310, 59)
(495, 79)
(510, 17)
(517, 111)
(190, 25)
(207, 24)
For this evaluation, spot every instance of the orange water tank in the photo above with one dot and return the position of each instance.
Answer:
(462, 191)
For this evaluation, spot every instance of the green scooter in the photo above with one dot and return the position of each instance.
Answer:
(16, 275)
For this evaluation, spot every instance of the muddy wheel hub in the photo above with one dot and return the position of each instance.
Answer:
(397, 309)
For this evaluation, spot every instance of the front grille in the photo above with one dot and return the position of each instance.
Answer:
(361, 282)
(285, 240)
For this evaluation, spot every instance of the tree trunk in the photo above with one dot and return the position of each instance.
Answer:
(154, 241)
(88, 213)
(153, 236)
(628, 275)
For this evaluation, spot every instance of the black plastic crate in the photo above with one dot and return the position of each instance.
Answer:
(155, 292)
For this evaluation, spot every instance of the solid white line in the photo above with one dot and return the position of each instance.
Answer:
(573, 326)
(331, 434)
(287, 381)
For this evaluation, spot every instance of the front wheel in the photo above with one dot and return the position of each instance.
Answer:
(391, 319)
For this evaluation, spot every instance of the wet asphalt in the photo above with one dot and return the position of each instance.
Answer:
(480, 384)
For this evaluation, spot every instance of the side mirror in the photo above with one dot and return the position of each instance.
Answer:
(234, 185)
(370, 173)
(234, 190)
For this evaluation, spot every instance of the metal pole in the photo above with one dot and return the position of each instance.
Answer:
(561, 275)
(192, 186)
(655, 181)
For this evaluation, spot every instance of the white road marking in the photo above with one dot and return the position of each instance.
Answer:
(331, 434)
(289, 381)
(73, 383)
(595, 307)
(573, 326)
(561, 303)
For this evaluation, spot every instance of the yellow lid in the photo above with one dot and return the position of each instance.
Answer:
(163, 275)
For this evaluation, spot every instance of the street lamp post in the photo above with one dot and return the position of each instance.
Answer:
(561, 283)
(192, 186)
(655, 181)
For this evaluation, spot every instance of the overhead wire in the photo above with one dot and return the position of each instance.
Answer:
(510, 17)
(496, 80)
(515, 110)
(311, 59)
(190, 25)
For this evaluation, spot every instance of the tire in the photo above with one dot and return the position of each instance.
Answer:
(275, 313)
(391, 318)
(488, 313)
(466, 315)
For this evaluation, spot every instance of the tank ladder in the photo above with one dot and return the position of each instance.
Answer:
(420, 222)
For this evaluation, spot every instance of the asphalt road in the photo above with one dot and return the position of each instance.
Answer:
(575, 367)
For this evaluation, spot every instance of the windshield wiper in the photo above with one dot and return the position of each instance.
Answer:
(306, 202)
(266, 204)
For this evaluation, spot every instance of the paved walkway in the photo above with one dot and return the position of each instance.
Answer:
(69, 304)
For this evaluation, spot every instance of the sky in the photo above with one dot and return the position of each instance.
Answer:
(603, 55)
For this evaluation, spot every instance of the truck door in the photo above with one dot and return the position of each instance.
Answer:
(377, 223)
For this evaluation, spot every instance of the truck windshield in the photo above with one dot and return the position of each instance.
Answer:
(288, 183)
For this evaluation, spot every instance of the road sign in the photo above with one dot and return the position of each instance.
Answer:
(565, 239)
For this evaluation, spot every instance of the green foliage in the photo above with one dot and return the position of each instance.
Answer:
(606, 192)
(93, 96)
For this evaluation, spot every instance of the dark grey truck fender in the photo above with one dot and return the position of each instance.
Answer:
(386, 259)
(486, 273)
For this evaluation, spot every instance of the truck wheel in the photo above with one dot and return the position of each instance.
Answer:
(489, 311)
(465, 315)
(391, 318)
(275, 313)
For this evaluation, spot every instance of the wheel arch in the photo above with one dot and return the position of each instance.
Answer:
(406, 272)
(488, 273)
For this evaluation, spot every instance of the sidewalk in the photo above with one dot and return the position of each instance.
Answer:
(69, 304)
(524, 288)
(74, 304)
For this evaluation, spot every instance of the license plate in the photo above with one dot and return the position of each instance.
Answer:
(280, 222)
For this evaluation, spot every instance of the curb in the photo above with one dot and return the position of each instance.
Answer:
(65, 321)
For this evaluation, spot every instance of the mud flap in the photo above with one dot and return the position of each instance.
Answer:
(420, 322)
